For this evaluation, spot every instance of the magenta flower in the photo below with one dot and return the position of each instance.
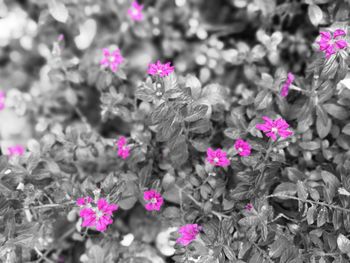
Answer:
(111, 59)
(96, 215)
(154, 200)
(242, 147)
(135, 11)
(188, 233)
(330, 43)
(272, 128)
(286, 85)
(2, 100)
(249, 207)
(217, 157)
(123, 149)
(160, 69)
(15, 150)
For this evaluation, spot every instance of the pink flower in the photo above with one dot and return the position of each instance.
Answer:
(217, 157)
(123, 149)
(272, 128)
(111, 59)
(160, 69)
(242, 147)
(16, 150)
(286, 85)
(2, 100)
(249, 207)
(97, 215)
(330, 43)
(154, 200)
(135, 11)
(188, 233)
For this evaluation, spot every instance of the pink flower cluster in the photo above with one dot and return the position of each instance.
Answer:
(160, 69)
(135, 11)
(286, 85)
(217, 157)
(330, 43)
(15, 150)
(153, 199)
(96, 215)
(2, 100)
(123, 149)
(242, 147)
(272, 128)
(188, 233)
(111, 59)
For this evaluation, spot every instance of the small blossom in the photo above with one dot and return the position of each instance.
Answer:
(154, 200)
(15, 150)
(123, 149)
(111, 59)
(188, 233)
(60, 38)
(249, 207)
(330, 43)
(287, 84)
(97, 215)
(2, 100)
(217, 157)
(272, 128)
(135, 11)
(160, 69)
(242, 147)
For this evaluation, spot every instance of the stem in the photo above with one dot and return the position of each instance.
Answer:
(310, 202)
(46, 206)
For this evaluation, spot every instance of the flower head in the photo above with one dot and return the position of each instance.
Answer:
(272, 128)
(123, 149)
(154, 200)
(135, 11)
(15, 150)
(330, 43)
(286, 85)
(2, 99)
(217, 157)
(96, 214)
(242, 147)
(249, 207)
(188, 233)
(111, 59)
(160, 69)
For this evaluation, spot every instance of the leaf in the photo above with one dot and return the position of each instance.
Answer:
(58, 11)
(249, 221)
(145, 93)
(171, 212)
(302, 190)
(310, 215)
(336, 111)
(213, 94)
(195, 85)
(346, 129)
(196, 113)
(200, 126)
(343, 244)
(278, 246)
(263, 99)
(322, 217)
(323, 129)
(315, 14)
(332, 184)
(285, 188)
(310, 146)
(232, 133)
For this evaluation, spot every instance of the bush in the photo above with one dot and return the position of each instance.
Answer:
(174, 131)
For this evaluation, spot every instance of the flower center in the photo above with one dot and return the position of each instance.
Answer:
(99, 213)
(240, 149)
(154, 200)
(111, 59)
(274, 130)
(216, 159)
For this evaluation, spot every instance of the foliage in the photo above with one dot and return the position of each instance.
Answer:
(231, 59)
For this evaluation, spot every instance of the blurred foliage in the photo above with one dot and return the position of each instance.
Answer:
(231, 58)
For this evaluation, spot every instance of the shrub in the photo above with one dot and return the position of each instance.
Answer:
(178, 131)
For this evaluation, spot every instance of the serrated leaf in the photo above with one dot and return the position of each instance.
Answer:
(58, 11)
